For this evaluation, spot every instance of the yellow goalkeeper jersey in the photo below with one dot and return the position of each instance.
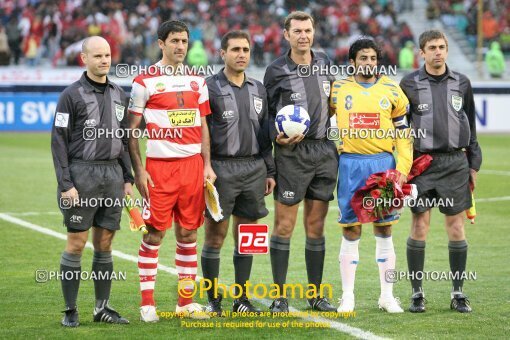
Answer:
(367, 118)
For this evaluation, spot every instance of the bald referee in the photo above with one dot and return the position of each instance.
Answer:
(442, 105)
(306, 165)
(89, 169)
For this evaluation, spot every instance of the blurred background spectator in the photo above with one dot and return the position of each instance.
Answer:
(462, 15)
(5, 53)
(407, 57)
(495, 61)
(50, 31)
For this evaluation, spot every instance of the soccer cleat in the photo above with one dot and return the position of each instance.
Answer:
(460, 303)
(108, 315)
(70, 318)
(346, 304)
(280, 305)
(148, 314)
(214, 307)
(391, 305)
(243, 305)
(417, 303)
(192, 311)
(321, 305)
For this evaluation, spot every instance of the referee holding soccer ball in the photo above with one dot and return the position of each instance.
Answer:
(306, 165)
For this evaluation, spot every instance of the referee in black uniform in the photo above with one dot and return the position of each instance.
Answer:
(90, 170)
(241, 154)
(306, 165)
(442, 106)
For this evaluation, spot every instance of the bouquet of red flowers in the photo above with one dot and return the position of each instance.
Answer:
(382, 195)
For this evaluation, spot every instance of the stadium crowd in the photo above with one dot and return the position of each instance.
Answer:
(462, 14)
(52, 30)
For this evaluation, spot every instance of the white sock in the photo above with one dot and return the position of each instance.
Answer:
(385, 257)
(349, 258)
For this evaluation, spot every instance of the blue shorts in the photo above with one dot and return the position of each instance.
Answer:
(353, 171)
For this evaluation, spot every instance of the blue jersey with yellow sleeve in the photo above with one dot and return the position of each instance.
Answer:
(368, 117)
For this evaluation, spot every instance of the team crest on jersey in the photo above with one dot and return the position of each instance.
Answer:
(194, 85)
(257, 104)
(119, 111)
(160, 87)
(456, 102)
(326, 86)
(384, 103)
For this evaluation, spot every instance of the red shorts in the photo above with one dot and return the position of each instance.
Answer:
(178, 193)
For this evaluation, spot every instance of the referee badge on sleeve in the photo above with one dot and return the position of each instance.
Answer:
(456, 102)
(61, 119)
(326, 86)
(257, 104)
(119, 111)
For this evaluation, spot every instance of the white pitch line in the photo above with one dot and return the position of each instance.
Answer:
(478, 200)
(341, 327)
(495, 172)
(492, 199)
(332, 207)
(33, 213)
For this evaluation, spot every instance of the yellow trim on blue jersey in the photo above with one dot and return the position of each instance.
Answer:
(347, 225)
(365, 115)
(376, 224)
(380, 224)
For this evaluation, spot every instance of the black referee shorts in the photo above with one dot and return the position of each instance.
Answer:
(100, 186)
(305, 170)
(445, 184)
(241, 184)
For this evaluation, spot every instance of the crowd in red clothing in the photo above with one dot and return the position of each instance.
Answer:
(463, 15)
(53, 29)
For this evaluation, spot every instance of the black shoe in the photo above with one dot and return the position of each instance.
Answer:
(460, 303)
(243, 305)
(70, 318)
(280, 305)
(214, 307)
(321, 304)
(417, 303)
(108, 315)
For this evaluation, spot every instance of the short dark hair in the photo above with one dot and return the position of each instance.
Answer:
(429, 35)
(297, 15)
(361, 44)
(234, 35)
(171, 26)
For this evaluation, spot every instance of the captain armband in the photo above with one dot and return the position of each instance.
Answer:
(400, 122)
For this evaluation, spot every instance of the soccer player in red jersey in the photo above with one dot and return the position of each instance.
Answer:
(174, 106)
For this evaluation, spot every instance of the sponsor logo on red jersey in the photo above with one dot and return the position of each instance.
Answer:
(194, 85)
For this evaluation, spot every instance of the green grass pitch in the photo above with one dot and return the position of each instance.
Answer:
(32, 310)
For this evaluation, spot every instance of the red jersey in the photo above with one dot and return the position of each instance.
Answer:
(172, 106)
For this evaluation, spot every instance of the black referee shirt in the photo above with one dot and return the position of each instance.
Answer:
(285, 87)
(80, 106)
(444, 110)
(239, 124)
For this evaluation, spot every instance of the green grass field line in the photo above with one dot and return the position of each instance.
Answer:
(356, 332)
(32, 310)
